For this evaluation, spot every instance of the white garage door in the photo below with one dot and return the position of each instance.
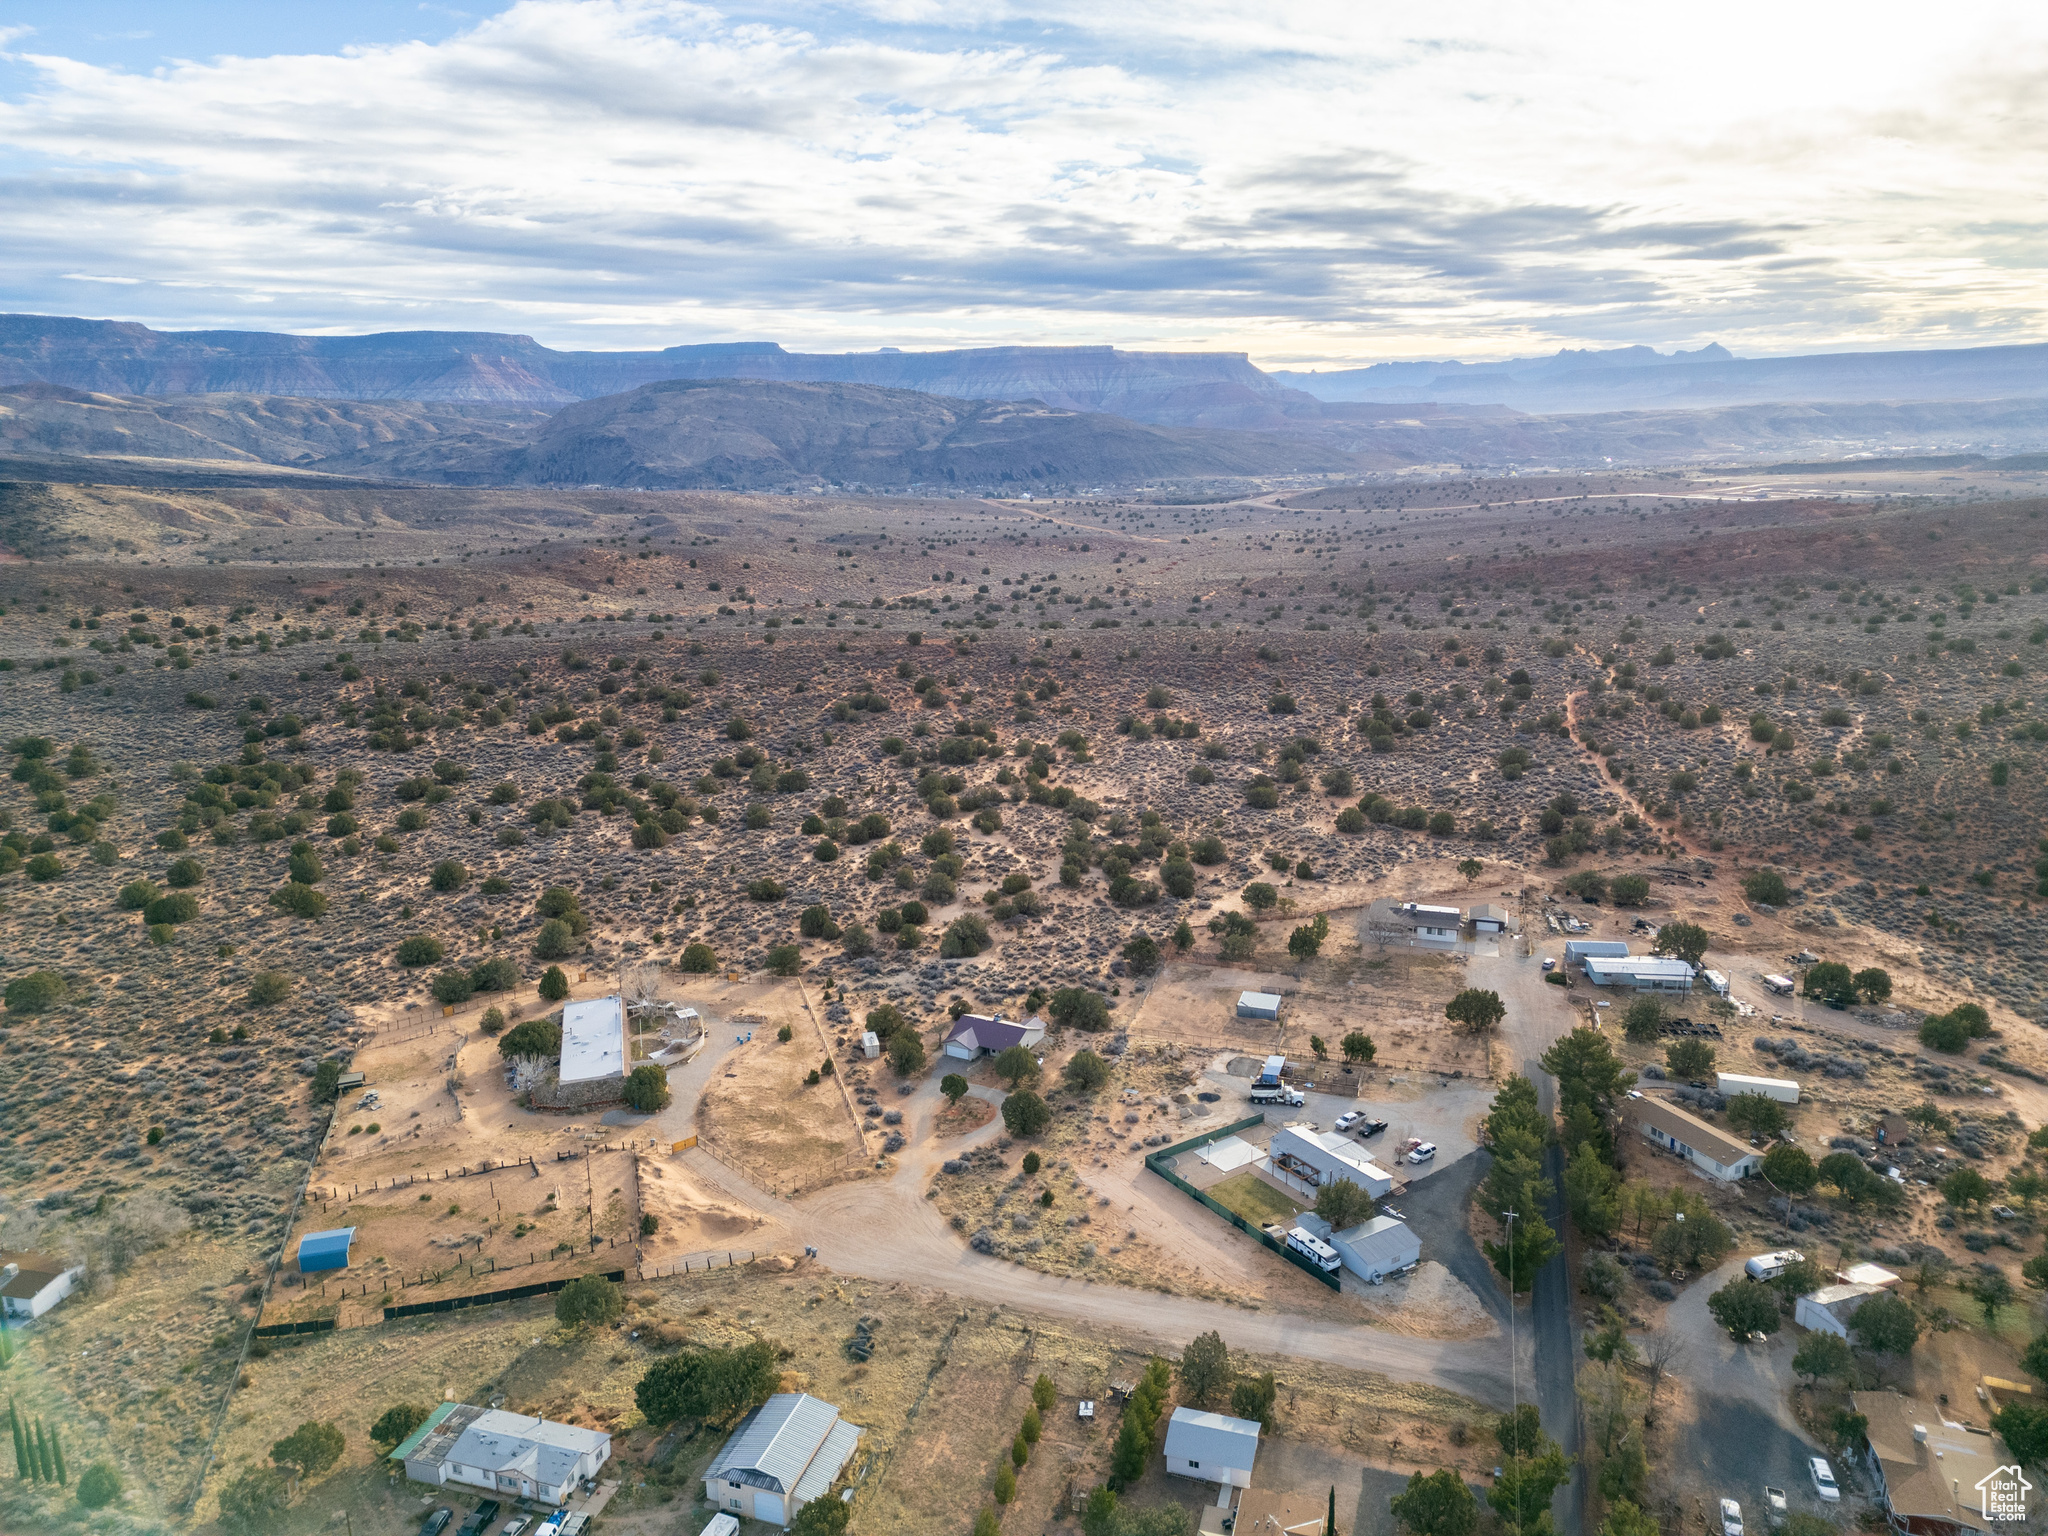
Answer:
(768, 1506)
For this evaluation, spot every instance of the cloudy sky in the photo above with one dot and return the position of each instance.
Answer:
(1312, 183)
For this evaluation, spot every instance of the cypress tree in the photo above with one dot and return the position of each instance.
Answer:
(35, 1450)
(57, 1455)
(20, 1442)
(47, 1464)
(1330, 1524)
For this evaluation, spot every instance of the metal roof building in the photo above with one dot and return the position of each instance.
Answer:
(1258, 1005)
(325, 1250)
(1212, 1447)
(593, 1040)
(1646, 973)
(507, 1453)
(785, 1453)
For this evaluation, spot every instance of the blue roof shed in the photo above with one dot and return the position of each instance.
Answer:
(325, 1250)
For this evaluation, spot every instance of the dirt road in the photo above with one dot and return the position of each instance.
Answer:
(887, 1230)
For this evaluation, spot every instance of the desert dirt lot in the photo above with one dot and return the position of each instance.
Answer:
(1396, 996)
(759, 1115)
(939, 1401)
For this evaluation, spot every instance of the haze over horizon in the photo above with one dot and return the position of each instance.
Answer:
(1319, 190)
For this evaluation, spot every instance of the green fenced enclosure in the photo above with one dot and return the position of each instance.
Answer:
(1156, 1161)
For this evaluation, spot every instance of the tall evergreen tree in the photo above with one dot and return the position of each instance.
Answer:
(43, 1469)
(20, 1442)
(57, 1456)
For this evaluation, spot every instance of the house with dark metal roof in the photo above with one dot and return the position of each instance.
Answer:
(975, 1034)
(1708, 1148)
(784, 1454)
(32, 1283)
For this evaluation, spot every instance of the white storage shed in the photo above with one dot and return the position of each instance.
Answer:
(1213, 1448)
(1258, 1005)
(1829, 1309)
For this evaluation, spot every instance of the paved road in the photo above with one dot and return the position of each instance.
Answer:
(1537, 1016)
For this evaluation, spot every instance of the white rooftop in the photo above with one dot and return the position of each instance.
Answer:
(1423, 909)
(548, 1452)
(593, 1040)
(1638, 965)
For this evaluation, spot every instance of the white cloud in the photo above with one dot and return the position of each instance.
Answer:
(1304, 183)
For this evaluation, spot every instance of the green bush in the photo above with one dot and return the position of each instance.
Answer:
(45, 866)
(99, 1485)
(495, 975)
(534, 1037)
(964, 937)
(449, 875)
(592, 1299)
(1025, 1113)
(35, 992)
(299, 900)
(420, 949)
(185, 873)
(178, 907)
(647, 1088)
(137, 894)
(269, 987)
(451, 987)
(554, 984)
(555, 940)
(785, 959)
(699, 960)
(1765, 885)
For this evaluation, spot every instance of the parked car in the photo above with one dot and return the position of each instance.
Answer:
(2005, 1213)
(437, 1521)
(480, 1518)
(1731, 1518)
(517, 1527)
(1423, 1153)
(1549, 964)
(1086, 1411)
(1350, 1118)
(1371, 1127)
(1774, 1505)
(1823, 1479)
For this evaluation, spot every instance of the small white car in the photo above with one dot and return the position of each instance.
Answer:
(1549, 964)
(1731, 1518)
(1086, 1411)
(1423, 1153)
(1348, 1120)
(1824, 1479)
(517, 1526)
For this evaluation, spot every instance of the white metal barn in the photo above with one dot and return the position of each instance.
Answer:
(1375, 1249)
(1212, 1447)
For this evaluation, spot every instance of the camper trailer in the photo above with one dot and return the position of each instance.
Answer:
(1314, 1249)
